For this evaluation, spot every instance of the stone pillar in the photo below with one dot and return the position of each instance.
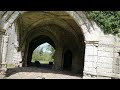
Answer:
(58, 59)
(3, 51)
(91, 57)
(24, 51)
(24, 58)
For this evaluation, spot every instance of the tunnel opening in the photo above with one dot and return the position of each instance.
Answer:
(43, 56)
(67, 60)
(46, 53)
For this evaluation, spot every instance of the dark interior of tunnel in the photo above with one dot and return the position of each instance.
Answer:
(67, 60)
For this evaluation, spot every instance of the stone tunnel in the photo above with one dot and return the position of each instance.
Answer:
(59, 30)
(76, 41)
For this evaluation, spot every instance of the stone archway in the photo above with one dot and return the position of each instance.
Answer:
(60, 42)
(67, 29)
(35, 43)
(63, 32)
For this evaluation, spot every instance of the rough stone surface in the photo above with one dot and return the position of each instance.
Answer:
(37, 73)
(94, 54)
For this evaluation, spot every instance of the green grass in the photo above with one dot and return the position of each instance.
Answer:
(10, 65)
(44, 62)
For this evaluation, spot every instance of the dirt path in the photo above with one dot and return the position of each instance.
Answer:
(38, 73)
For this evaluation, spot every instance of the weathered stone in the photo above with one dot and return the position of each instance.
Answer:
(92, 51)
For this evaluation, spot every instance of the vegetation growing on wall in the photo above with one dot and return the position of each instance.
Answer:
(109, 21)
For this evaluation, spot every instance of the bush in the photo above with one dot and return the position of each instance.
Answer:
(109, 21)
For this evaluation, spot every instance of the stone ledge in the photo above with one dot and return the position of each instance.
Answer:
(90, 76)
(2, 76)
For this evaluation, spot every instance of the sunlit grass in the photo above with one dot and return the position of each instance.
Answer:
(10, 65)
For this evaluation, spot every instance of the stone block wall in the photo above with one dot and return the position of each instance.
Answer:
(105, 56)
(116, 61)
(107, 61)
(13, 56)
(108, 57)
(90, 58)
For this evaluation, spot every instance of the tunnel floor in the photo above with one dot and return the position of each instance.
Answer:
(39, 73)
(39, 65)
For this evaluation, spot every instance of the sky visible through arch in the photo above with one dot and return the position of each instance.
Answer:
(44, 46)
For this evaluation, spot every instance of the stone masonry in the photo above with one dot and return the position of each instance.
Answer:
(95, 55)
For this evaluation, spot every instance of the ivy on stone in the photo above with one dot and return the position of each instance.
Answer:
(109, 21)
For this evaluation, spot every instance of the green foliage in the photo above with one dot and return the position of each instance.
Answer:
(41, 51)
(109, 21)
(10, 65)
(50, 48)
(39, 55)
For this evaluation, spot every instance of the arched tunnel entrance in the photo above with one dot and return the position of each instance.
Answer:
(68, 55)
(35, 43)
(60, 31)
(43, 56)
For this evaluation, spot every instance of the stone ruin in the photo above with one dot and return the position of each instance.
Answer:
(94, 55)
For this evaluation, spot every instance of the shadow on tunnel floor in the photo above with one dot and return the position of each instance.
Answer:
(41, 69)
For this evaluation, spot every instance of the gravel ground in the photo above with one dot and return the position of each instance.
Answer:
(38, 73)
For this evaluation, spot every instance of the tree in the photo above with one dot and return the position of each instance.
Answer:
(41, 51)
(52, 50)
(39, 55)
(109, 21)
(35, 56)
